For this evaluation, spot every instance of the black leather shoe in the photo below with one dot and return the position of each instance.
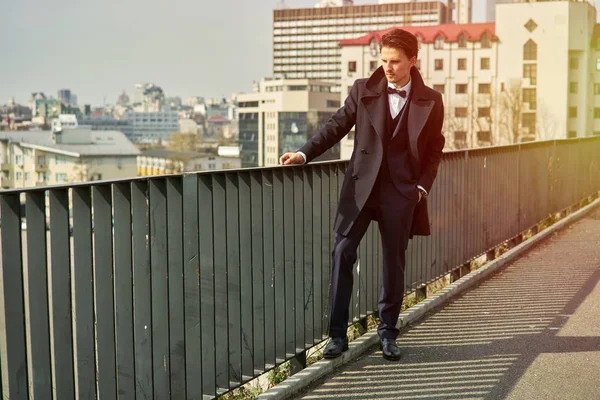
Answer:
(390, 349)
(335, 347)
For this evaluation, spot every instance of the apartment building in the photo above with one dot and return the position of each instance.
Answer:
(164, 161)
(39, 158)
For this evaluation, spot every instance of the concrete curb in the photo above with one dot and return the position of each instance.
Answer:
(300, 381)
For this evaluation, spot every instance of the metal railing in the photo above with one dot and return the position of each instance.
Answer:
(190, 285)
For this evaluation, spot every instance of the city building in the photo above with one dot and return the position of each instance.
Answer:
(106, 123)
(151, 127)
(549, 61)
(163, 161)
(281, 116)
(38, 158)
(306, 40)
(64, 96)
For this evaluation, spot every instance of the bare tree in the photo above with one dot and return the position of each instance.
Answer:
(510, 108)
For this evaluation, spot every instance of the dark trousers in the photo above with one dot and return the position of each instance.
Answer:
(394, 213)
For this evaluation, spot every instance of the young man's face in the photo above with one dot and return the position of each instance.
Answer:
(396, 65)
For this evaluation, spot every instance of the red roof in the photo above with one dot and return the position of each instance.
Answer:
(427, 34)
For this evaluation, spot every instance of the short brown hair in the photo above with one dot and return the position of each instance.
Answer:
(400, 39)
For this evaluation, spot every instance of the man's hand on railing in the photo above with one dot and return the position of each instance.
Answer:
(291, 158)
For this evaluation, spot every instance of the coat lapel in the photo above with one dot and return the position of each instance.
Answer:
(418, 113)
(375, 102)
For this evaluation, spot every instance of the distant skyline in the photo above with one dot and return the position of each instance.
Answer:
(98, 49)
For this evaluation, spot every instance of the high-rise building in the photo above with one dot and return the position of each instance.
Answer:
(64, 96)
(306, 40)
(281, 116)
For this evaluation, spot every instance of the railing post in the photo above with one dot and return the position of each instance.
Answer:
(421, 292)
(298, 363)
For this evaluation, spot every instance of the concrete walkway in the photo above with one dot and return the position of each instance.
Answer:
(531, 331)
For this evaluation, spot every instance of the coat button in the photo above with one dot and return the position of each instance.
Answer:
(364, 151)
(355, 177)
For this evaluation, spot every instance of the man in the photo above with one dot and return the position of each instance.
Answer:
(397, 149)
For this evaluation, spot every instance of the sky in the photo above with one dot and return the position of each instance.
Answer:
(98, 49)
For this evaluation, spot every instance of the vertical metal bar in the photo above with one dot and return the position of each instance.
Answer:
(85, 376)
(271, 321)
(38, 334)
(308, 261)
(289, 264)
(203, 214)
(326, 235)
(60, 300)
(257, 270)
(103, 290)
(123, 284)
(233, 279)
(13, 353)
(142, 296)
(279, 262)
(298, 259)
(317, 217)
(160, 287)
(176, 287)
(247, 306)
(220, 228)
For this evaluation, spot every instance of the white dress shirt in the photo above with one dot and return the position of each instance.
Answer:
(396, 101)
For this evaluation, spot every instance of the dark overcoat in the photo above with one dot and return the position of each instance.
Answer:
(366, 107)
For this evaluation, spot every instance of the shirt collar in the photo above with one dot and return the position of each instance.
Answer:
(405, 87)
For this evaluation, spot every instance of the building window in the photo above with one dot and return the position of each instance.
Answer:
(460, 139)
(486, 43)
(19, 176)
(19, 159)
(597, 113)
(462, 41)
(373, 65)
(573, 63)
(528, 121)
(460, 112)
(61, 177)
(596, 88)
(572, 112)
(484, 137)
(485, 63)
(484, 88)
(530, 25)
(483, 112)
(333, 104)
(439, 88)
(462, 64)
(41, 160)
(572, 134)
(573, 87)
(351, 66)
(439, 42)
(27, 175)
(530, 71)
(461, 88)
(530, 97)
(439, 64)
(530, 50)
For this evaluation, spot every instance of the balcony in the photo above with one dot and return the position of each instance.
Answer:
(41, 167)
(5, 166)
(231, 268)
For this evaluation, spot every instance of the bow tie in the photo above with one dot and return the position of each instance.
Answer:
(402, 93)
